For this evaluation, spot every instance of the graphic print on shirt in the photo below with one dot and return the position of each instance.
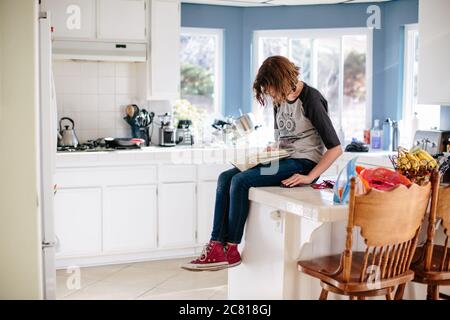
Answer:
(286, 123)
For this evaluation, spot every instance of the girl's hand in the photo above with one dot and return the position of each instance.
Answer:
(297, 179)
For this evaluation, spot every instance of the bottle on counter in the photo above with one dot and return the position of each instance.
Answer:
(387, 134)
(376, 135)
(395, 136)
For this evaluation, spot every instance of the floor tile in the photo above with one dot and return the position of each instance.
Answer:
(196, 294)
(107, 291)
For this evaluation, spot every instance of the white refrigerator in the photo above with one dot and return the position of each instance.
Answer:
(47, 154)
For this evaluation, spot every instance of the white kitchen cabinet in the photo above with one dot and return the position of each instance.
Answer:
(161, 74)
(122, 20)
(78, 221)
(206, 200)
(129, 220)
(72, 19)
(434, 47)
(176, 214)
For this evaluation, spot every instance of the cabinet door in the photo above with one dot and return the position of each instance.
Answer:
(176, 218)
(129, 221)
(434, 46)
(206, 198)
(122, 20)
(78, 218)
(72, 19)
(164, 65)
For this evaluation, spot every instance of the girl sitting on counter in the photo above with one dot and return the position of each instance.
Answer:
(302, 124)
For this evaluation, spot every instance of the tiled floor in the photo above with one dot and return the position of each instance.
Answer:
(163, 280)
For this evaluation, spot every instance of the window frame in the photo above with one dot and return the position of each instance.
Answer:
(323, 33)
(408, 72)
(218, 63)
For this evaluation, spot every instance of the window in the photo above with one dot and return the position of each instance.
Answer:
(201, 56)
(429, 115)
(338, 62)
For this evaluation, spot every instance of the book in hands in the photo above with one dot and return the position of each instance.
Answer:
(248, 161)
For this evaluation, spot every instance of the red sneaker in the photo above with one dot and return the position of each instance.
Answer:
(212, 258)
(233, 256)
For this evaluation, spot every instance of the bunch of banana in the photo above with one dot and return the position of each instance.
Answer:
(425, 158)
(407, 161)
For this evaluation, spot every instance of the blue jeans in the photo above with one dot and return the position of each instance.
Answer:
(232, 202)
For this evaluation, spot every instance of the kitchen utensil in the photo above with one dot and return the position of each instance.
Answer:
(68, 138)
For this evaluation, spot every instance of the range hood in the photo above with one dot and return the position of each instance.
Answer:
(99, 51)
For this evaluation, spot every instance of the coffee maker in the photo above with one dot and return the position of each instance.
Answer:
(184, 133)
(167, 133)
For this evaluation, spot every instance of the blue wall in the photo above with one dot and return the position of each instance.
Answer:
(239, 24)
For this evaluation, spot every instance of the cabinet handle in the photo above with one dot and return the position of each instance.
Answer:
(123, 46)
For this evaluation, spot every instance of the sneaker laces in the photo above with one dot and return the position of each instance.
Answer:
(206, 250)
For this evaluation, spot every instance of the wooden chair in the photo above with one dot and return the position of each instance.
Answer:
(431, 264)
(390, 222)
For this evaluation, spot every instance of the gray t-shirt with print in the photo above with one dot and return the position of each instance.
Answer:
(304, 125)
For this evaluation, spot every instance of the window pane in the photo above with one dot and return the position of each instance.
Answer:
(354, 104)
(198, 69)
(301, 56)
(273, 47)
(328, 57)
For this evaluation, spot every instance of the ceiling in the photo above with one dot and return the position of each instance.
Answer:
(259, 3)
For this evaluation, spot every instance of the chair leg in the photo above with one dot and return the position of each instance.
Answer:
(432, 292)
(323, 295)
(389, 296)
(400, 291)
(436, 293)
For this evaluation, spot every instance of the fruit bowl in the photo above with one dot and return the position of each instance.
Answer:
(416, 164)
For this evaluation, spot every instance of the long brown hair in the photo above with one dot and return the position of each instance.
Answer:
(278, 74)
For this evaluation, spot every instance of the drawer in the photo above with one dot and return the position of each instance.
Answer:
(111, 176)
(177, 173)
(211, 172)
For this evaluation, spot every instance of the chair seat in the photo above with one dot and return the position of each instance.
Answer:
(324, 267)
(433, 276)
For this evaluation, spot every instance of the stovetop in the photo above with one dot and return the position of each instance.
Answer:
(95, 146)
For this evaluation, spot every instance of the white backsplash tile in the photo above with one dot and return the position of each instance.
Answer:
(72, 68)
(106, 69)
(71, 84)
(89, 86)
(94, 95)
(89, 103)
(125, 70)
(72, 102)
(107, 120)
(106, 85)
(89, 69)
(107, 102)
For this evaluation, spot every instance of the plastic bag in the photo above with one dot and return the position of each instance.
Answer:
(383, 179)
(341, 188)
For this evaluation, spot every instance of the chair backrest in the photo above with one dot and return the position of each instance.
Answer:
(389, 222)
(440, 210)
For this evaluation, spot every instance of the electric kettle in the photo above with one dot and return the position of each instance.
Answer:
(67, 136)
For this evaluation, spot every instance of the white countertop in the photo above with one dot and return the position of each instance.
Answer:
(304, 201)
